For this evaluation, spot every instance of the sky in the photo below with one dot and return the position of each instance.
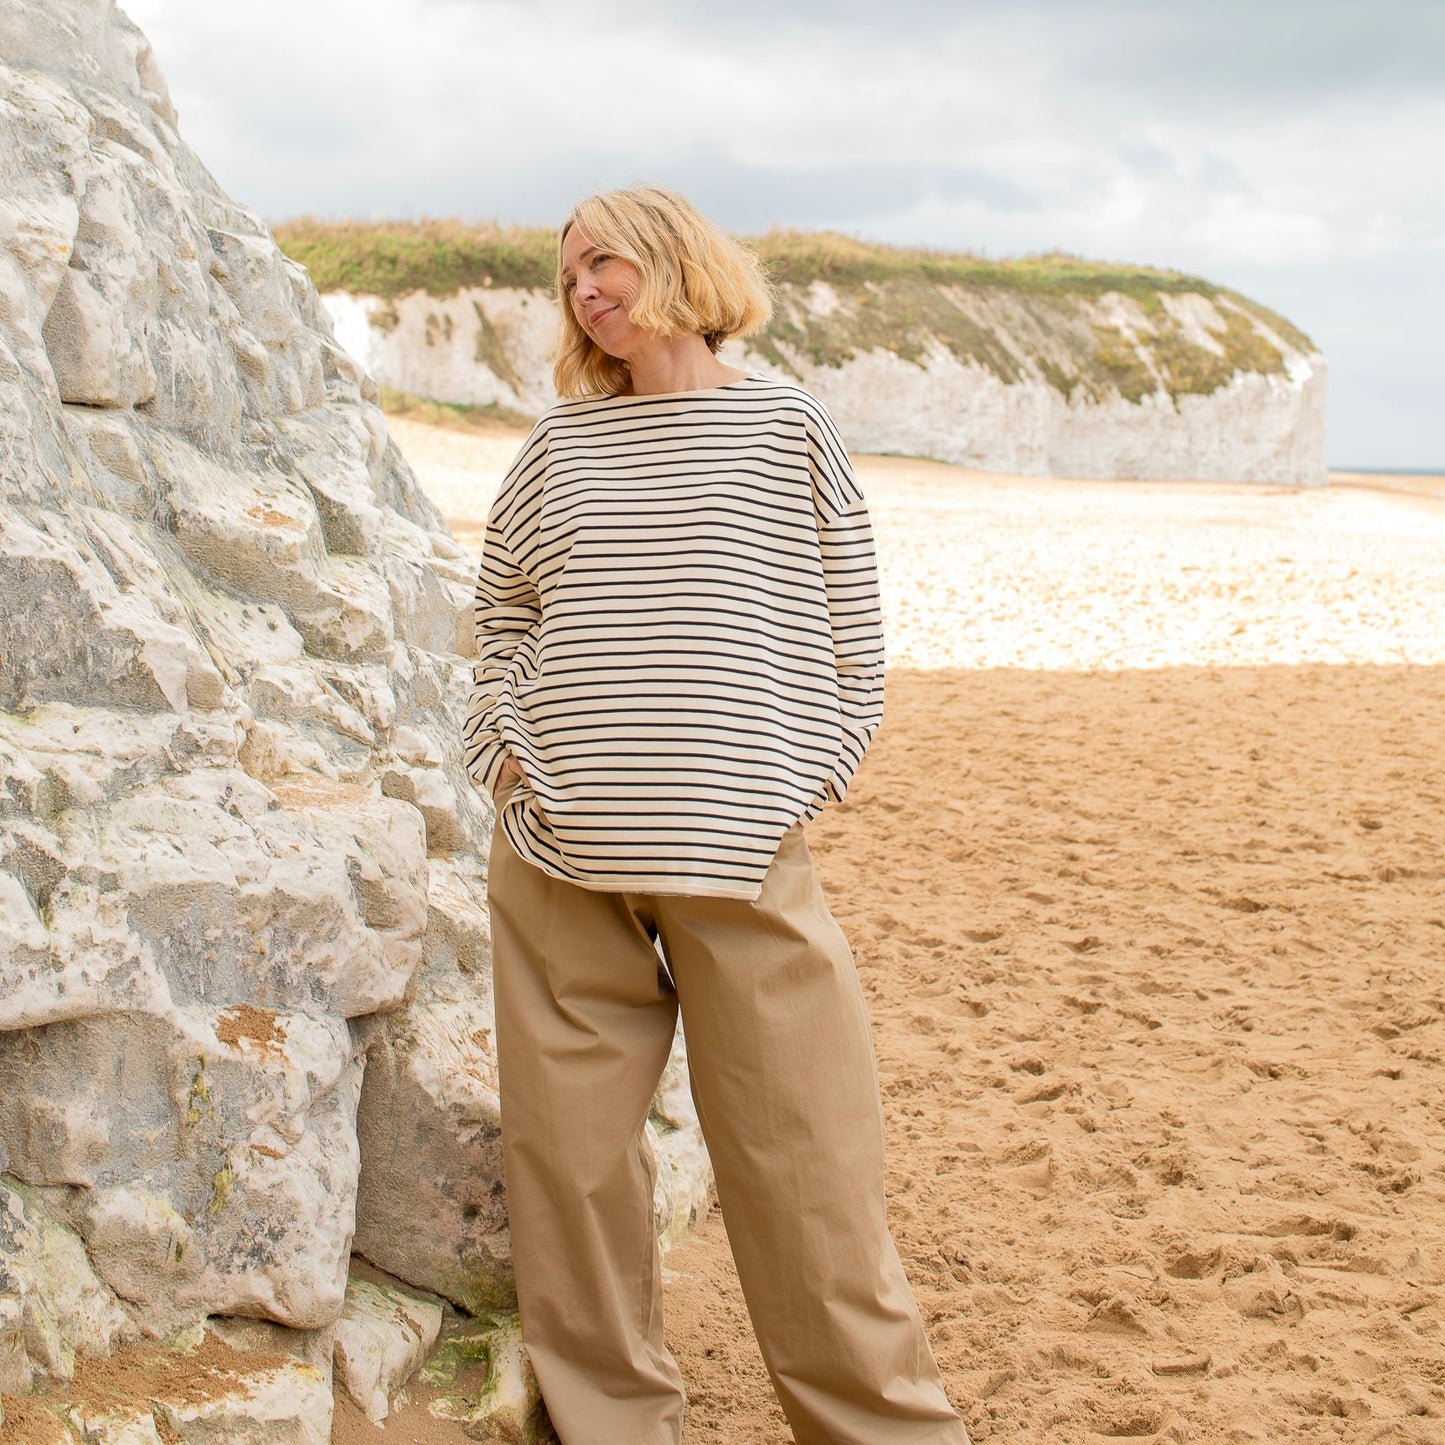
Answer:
(1291, 149)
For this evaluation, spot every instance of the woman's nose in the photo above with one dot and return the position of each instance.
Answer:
(584, 286)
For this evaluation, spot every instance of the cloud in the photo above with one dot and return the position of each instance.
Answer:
(1235, 140)
(827, 115)
(1258, 56)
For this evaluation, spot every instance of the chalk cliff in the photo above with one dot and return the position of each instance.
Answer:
(1059, 369)
(245, 1011)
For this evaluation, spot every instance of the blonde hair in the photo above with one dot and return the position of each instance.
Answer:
(693, 279)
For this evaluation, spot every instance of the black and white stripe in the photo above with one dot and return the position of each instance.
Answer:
(678, 636)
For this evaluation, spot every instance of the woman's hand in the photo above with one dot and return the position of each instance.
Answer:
(511, 768)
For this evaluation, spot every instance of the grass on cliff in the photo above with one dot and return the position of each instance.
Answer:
(1020, 319)
(800, 258)
(394, 258)
(491, 419)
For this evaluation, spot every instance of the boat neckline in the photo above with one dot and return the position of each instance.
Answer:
(677, 395)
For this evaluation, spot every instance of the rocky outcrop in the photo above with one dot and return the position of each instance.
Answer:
(1169, 384)
(202, 1391)
(245, 1014)
(53, 1305)
(431, 1208)
(382, 1338)
(1172, 386)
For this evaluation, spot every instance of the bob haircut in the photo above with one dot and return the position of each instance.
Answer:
(693, 278)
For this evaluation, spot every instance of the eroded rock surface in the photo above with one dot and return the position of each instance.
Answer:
(204, 1392)
(244, 962)
(384, 1334)
(224, 598)
(53, 1305)
(1168, 386)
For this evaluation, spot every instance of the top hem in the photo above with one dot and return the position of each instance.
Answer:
(644, 883)
(670, 884)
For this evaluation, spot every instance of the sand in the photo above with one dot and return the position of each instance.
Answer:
(982, 570)
(1146, 880)
(1154, 960)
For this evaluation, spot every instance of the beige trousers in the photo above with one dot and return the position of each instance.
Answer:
(786, 1089)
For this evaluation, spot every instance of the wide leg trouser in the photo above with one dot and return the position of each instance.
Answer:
(786, 1090)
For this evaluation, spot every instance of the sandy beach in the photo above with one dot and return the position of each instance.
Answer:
(1154, 960)
(1146, 882)
(982, 570)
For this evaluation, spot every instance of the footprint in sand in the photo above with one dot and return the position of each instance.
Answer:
(1196, 1264)
(1263, 1292)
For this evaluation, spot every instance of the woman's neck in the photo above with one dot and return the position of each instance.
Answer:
(677, 363)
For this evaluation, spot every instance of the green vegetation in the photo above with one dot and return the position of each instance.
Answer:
(1189, 368)
(1031, 318)
(797, 259)
(903, 314)
(394, 258)
(1117, 365)
(480, 420)
(1290, 335)
(1142, 349)
(1019, 319)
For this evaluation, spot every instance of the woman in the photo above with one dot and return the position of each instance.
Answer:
(680, 664)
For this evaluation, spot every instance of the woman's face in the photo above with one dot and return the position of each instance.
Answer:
(602, 289)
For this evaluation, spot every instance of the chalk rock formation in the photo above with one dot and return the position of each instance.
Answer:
(504, 1404)
(52, 1304)
(244, 962)
(683, 1190)
(224, 596)
(384, 1334)
(432, 1208)
(1187, 387)
(1169, 385)
(205, 1392)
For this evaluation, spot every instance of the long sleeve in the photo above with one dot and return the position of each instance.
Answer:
(850, 576)
(507, 611)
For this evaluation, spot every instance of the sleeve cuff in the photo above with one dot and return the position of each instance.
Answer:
(486, 767)
(831, 792)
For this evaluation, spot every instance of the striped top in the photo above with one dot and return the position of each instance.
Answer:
(678, 636)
